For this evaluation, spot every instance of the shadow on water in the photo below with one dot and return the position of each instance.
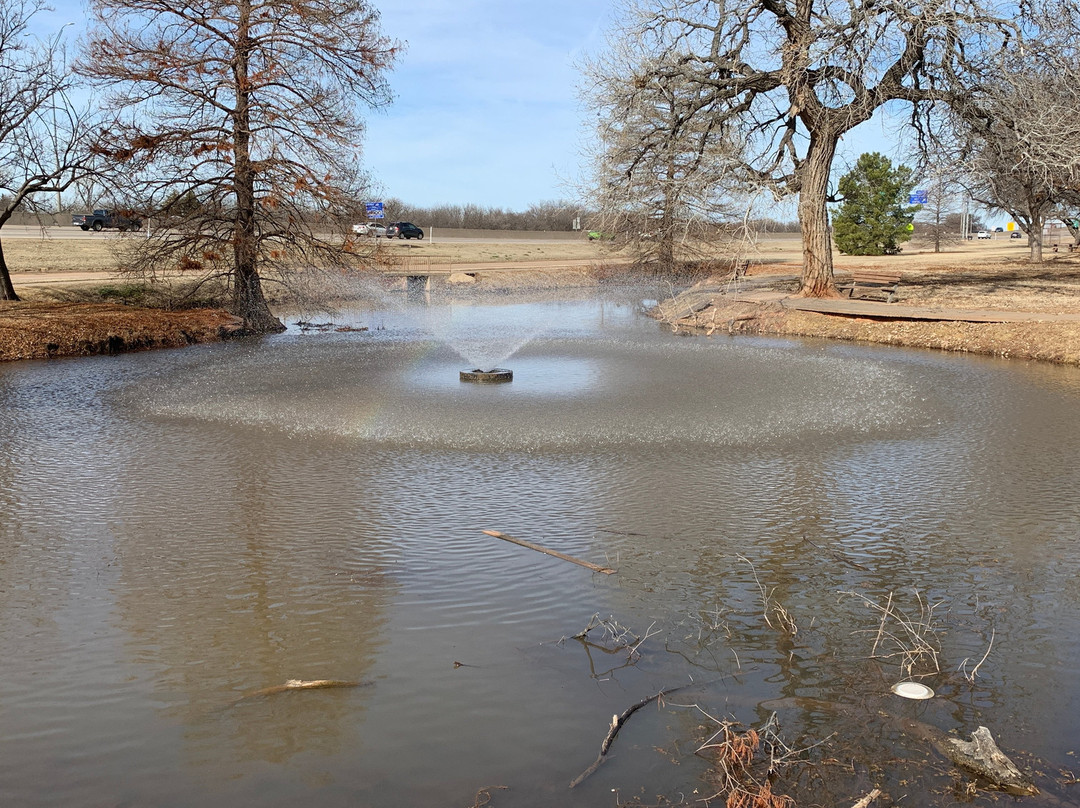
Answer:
(797, 526)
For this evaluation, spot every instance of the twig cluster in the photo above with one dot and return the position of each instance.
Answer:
(615, 637)
(909, 639)
(748, 762)
(776, 616)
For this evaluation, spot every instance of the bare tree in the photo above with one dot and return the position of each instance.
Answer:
(43, 138)
(1020, 145)
(250, 108)
(786, 79)
(661, 174)
(935, 221)
(1018, 136)
(1068, 213)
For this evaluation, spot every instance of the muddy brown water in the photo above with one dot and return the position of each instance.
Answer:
(179, 529)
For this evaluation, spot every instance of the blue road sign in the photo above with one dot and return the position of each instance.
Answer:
(373, 206)
(375, 214)
(917, 198)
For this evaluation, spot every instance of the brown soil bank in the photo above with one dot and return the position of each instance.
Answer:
(717, 306)
(47, 330)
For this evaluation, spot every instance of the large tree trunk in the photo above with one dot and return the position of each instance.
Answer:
(1035, 245)
(248, 302)
(7, 291)
(1035, 238)
(817, 269)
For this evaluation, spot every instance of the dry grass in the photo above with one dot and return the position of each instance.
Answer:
(61, 255)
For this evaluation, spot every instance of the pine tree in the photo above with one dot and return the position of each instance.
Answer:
(874, 218)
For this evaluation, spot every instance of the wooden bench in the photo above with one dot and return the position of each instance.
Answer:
(864, 282)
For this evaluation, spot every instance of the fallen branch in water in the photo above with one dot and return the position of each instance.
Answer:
(869, 798)
(616, 724)
(485, 795)
(546, 551)
(838, 556)
(299, 684)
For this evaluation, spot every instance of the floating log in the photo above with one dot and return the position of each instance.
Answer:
(546, 551)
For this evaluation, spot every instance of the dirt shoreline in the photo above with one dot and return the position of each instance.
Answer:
(40, 330)
(1002, 286)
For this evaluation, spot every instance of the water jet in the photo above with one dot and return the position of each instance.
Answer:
(493, 376)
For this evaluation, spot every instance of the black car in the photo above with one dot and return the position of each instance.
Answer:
(403, 230)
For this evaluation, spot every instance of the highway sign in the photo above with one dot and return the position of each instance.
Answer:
(917, 198)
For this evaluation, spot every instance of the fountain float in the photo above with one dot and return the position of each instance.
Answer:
(493, 376)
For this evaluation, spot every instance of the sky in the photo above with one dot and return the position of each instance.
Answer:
(486, 103)
(486, 109)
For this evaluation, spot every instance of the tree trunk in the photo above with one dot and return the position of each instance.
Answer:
(1035, 239)
(248, 302)
(7, 291)
(817, 269)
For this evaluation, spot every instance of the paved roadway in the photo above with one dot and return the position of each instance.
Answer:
(33, 231)
(57, 232)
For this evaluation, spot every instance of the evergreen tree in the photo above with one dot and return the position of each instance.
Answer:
(874, 218)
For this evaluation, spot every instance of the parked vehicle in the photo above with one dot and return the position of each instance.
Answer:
(369, 229)
(1016, 234)
(403, 230)
(983, 234)
(105, 219)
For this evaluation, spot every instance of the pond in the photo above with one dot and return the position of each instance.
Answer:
(183, 532)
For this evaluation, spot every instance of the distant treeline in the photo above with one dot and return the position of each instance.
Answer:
(774, 226)
(549, 216)
(559, 215)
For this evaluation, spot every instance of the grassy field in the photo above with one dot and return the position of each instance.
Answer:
(100, 253)
(61, 255)
(773, 252)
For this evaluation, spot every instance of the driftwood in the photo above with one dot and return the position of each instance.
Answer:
(546, 551)
(869, 798)
(616, 724)
(299, 684)
(980, 755)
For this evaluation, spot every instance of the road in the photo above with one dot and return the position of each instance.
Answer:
(60, 233)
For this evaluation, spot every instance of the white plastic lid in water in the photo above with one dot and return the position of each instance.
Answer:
(912, 690)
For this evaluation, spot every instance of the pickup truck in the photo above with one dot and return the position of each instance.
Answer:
(105, 219)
